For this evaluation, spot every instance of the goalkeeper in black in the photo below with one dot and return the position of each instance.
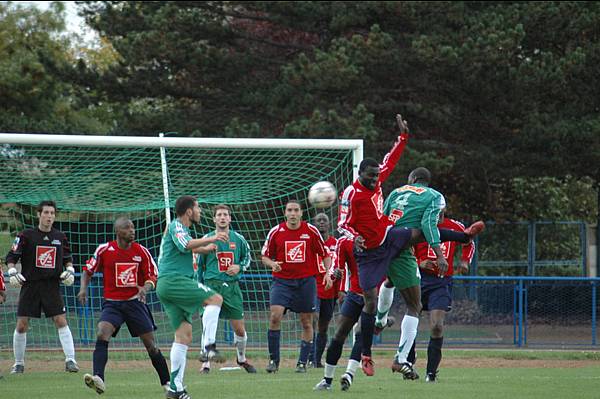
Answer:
(45, 262)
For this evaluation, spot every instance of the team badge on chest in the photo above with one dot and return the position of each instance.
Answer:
(225, 260)
(45, 257)
(295, 251)
(126, 274)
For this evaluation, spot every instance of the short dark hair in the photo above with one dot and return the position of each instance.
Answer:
(293, 201)
(121, 220)
(221, 206)
(184, 203)
(367, 162)
(421, 174)
(44, 203)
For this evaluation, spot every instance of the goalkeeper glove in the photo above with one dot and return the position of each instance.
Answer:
(68, 276)
(16, 279)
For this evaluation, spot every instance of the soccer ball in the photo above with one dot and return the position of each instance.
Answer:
(322, 194)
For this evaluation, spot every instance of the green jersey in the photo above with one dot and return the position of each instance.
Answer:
(416, 206)
(236, 251)
(174, 257)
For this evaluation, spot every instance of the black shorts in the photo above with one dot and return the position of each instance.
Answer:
(38, 295)
(134, 313)
(297, 295)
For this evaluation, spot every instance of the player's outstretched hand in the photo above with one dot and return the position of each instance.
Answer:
(82, 297)
(233, 270)
(142, 294)
(327, 281)
(428, 264)
(15, 278)
(276, 266)
(402, 124)
(68, 276)
(442, 266)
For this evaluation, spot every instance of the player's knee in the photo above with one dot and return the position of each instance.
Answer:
(437, 330)
(216, 299)
(21, 328)
(388, 283)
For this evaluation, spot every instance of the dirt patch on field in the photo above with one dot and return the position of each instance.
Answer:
(380, 361)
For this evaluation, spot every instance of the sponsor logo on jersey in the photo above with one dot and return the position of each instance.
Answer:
(126, 274)
(45, 257)
(137, 258)
(225, 260)
(15, 245)
(414, 189)
(305, 236)
(445, 247)
(46, 238)
(295, 251)
(395, 215)
(232, 245)
(55, 242)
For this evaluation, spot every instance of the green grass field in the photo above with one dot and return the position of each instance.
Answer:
(464, 374)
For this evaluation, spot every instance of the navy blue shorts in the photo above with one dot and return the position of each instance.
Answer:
(352, 306)
(373, 263)
(297, 295)
(325, 308)
(135, 313)
(436, 293)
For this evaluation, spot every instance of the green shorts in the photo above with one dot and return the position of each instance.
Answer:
(404, 271)
(232, 308)
(181, 297)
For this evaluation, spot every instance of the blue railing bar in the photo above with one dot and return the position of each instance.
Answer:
(525, 278)
(536, 222)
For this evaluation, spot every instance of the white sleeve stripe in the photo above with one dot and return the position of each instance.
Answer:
(151, 262)
(267, 243)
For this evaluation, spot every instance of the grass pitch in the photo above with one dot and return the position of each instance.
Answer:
(464, 374)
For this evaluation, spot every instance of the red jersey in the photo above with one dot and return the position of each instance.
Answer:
(296, 249)
(322, 293)
(423, 251)
(344, 260)
(2, 287)
(124, 269)
(361, 209)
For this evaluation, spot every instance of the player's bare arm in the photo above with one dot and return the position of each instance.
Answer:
(202, 242)
(275, 266)
(441, 261)
(206, 249)
(402, 124)
(82, 294)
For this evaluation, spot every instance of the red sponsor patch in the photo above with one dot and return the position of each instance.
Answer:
(225, 260)
(232, 245)
(45, 257)
(395, 215)
(126, 274)
(295, 251)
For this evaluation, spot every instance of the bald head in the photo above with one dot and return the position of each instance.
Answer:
(125, 231)
(420, 175)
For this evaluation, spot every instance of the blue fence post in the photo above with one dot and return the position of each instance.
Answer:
(583, 240)
(594, 312)
(524, 316)
(515, 311)
(520, 314)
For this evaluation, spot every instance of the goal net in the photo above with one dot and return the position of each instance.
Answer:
(95, 179)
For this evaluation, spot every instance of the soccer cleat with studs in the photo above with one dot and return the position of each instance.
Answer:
(178, 395)
(431, 377)
(211, 353)
(247, 366)
(322, 386)
(404, 368)
(205, 370)
(94, 382)
(475, 229)
(272, 367)
(367, 365)
(17, 369)
(346, 381)
(379, 328)
(71, 366)
(300, 368)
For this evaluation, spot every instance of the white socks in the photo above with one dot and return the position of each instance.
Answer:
(210, 320)
(329, 371)
(19, 343)
(240, 346)
(384, 303)
(352, 366)
(66, 340)
(178, 359)
(407, 338)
